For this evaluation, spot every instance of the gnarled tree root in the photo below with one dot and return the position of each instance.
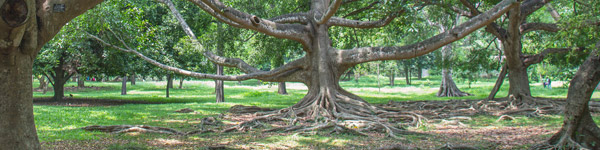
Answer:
(140, 128)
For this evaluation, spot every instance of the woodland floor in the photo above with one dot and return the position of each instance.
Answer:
(446, 124)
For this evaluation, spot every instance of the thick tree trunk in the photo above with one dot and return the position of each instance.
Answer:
(132, 79)
(80, 80)
(579, 130)
(448, 88)
(17, 128)
(219, 92)
(281, 88)
(124, 85)
(517, 71)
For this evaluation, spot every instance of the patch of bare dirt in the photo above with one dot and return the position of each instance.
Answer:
(86, 102)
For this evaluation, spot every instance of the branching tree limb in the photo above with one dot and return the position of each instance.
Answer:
(288, 31)
(291, 18)
(366, 54)
(335, 21)
(330, 12)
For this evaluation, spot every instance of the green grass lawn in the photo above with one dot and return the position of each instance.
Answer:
(56, 124)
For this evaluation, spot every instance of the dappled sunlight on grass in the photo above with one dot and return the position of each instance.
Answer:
(297, 141)
(60, 123)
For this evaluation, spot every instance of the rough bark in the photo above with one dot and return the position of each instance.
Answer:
(17, 128)
(124, 85)
(579, 130)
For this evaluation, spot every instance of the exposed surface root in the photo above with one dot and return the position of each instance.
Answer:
(140, 128)
(240, 109)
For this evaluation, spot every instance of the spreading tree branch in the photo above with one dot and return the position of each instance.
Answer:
(291, 18)
(367, 54)
(330, 12)
(537, 58)
(273, 75)
(287, 31)
(361, 9)
(528, 27)
(52, 21)
(335, 21)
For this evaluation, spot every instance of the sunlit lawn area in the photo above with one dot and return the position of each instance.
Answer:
(58, 126)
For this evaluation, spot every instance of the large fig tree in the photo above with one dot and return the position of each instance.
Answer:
(323, 65)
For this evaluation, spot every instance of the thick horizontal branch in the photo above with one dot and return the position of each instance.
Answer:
(528, 27)
(492, 28)
(230, 62)
(335, 21)
(287, 31)
(367, 54)
(262, 75)
(52, 21)
(291, 18)
(530, 6)
(537, 58)
(330, 12)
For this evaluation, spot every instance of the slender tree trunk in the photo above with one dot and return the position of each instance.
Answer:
(181, 82)
(80, 80)
(407, 72)
(579, 130)
(419, 72)
(392, 76)
(498, 84)
(132, 79)
(43, 84)
(169, 84)
(219, 92)
(170, 80)
(124, 85)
